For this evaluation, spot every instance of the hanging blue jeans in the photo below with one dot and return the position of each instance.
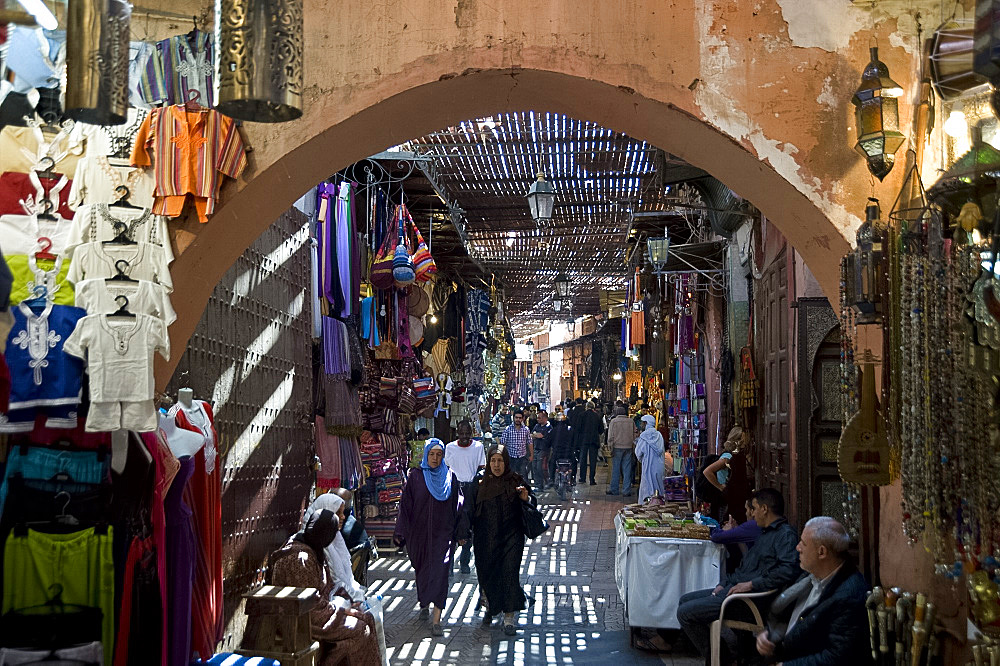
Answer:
(622, 463)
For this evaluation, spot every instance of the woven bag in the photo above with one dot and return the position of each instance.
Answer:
(424, 266)
(381, 271)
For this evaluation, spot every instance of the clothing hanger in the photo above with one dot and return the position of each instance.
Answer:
(46, 171)
(45, 244)
(121, 235)
(194, 31)
(122, 310)
(193, 101)
(120, 276)
(40, 298)
(123, 195)
(47, 208)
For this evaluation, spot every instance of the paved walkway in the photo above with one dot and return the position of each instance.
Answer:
(576, 616)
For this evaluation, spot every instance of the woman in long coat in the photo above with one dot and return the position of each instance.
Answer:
(430, 515)
(498, 536)
(649, 451)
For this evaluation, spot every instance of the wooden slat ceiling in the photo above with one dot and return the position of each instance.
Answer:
(485, 167)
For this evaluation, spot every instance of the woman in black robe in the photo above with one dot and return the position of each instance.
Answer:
(498, 536)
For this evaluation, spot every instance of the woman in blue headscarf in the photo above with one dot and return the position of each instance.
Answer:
(649, 451)
(430, 515)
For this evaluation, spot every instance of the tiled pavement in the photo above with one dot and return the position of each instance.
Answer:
(576, 616)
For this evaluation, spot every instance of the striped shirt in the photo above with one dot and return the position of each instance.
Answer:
(516, 440)
(188, 151)
(177, 66)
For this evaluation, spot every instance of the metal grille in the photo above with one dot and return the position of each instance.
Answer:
(251, 357)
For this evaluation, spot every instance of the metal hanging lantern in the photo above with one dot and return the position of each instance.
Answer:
(562, 285)
(541, 199)
(556, 304)
(659, 251)
(260, 59)
(876, 110)
(97, 55)
(867, 282)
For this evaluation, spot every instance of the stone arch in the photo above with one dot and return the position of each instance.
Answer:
(208, 250)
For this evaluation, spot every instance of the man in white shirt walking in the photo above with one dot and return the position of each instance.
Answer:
(465, 457)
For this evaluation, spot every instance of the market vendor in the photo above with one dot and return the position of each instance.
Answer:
(772, 564)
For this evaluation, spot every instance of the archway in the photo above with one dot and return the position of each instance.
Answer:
(209, 250)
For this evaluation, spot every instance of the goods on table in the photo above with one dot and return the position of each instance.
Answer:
(673, 520)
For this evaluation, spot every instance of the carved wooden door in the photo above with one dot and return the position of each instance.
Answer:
(772, 356)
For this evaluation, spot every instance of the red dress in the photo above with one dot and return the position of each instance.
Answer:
(204, 495)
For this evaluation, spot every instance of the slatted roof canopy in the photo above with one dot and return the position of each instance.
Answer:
(601, 177)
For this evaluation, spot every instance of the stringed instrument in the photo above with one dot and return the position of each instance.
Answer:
(863, 454)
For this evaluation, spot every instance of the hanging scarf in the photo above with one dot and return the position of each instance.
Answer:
(338, 557)
(319, 531)
(438, 479)
(490, 485)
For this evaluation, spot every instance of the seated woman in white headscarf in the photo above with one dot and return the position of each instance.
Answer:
(338, 557)
(649, 451)
(338, 567)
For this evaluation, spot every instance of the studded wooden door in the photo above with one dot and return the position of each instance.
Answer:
(251, 356)
(772, 356)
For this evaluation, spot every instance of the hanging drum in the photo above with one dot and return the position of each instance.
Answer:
(260, 59)
(97, 52)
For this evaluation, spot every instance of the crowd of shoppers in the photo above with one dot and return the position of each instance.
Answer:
(468, 497)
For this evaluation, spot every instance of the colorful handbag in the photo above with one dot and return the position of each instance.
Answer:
(381, 271)
(402, 262)
(424, 265)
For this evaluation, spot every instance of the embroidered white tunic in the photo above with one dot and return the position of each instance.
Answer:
(119, 355)
(97, 222)
(144, 297)
(97, 260)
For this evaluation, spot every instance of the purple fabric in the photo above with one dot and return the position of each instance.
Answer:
(345, 252)
(746, 533)
(336, 352)
(427, 526)
(350, 463)
(181, 545)
(327, 191)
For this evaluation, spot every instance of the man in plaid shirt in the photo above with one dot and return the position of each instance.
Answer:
(517, 438)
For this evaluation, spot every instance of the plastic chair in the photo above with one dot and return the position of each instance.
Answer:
(715, 631)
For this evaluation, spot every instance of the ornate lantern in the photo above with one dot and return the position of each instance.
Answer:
(866, 281)
(260, 59)
(659, 251)
(541, 199)
(876, 111)
(562, 285)
(556, 304)
(97, 52)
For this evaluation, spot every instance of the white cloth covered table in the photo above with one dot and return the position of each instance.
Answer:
(653, 572)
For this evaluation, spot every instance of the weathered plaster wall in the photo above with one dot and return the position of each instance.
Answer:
(757, 93)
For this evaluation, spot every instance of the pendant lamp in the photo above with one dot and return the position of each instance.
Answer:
(97, 53)
(260, 59)
(876, 110)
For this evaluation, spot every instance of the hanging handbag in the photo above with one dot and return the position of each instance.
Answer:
(533, 524)
(424, 266)
(402, 262)
(381, 271)
(748, 380)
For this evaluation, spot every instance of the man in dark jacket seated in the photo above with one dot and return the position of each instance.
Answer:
(820, 620)
(772, 564)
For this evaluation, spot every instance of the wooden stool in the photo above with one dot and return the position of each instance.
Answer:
(278, 625)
